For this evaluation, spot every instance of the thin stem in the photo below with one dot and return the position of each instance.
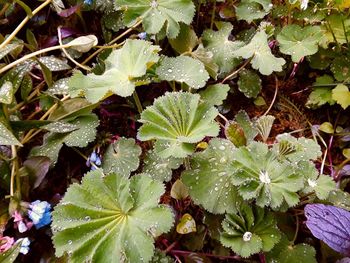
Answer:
(31, 55)
(138, 22)
(66, 53)
(187, 163)
(182, 252)
(137, 102)
(14, 169)
(223, 117)
(21, 25)
(296, 229)
(85, 157)
(274, 97)
(4, 9)
(238, 70)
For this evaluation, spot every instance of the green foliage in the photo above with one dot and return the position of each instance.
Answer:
(299, 42)
(110, 214)
(177, 120)
(250, 10)
(249, 83)
(122, 157)
(251, 230)
(183, 69)
(6, 136)
(221, 47)
(260, 53)
(215, 94)
(209, 180)
(157, 14)
(123, 67)
(10, 255)
(341, 95)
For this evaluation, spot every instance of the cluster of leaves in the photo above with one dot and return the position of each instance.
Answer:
(236, 187)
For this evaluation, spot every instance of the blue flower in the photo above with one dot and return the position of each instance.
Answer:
(24, 246)
(95, 159)
(39, 213)
(142, 35)
(88, 2)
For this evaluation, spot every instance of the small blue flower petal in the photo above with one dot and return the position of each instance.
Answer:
(98, 161)
(39, 213)
(93, 157)
(24, 246)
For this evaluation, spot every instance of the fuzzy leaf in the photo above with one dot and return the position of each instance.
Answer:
(160, 168)
(60, 87)
(250, 231)
(215, 94)
(340, 68)
(249, 128)
(8, 49)
(178, 119)
(235, 133)
(209, 180)
(341, 95)
(261, 176)
(110, 218)
(321, 185)
(186, 41)
(183, 69)
(263, 60)
(298, 253)
(340, 199)
(331, 225)
(6, 93)
(264, 125)
(206, 57)
(158, 13)
(53, 142)
(222, 48)
(123, 66)
(250, 10)
(179, 191)
(54, 64)
(299, 42)
(122, 157)
(6, 136)
(249, 83)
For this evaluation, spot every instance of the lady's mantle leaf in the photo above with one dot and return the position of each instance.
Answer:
(340, 199)
(341, 95)
(160, 168)
(250, 231)
(122, 157)
(215, 94)
(177, 120)
(299, 42)
(158, 13)
(249, 83)
(260, 175)
(209, 180)
(296, 254)
(331, 225)
(122, 67)
(250, 10)
(222, 48)
(260, 52)
(183, 69)
(110, 219)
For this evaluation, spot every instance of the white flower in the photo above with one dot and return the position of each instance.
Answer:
(304, 4)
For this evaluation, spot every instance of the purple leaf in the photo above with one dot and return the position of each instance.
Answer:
(70, 11)
(331, 225)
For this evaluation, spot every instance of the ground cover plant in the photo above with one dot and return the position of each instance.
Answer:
(174, 131)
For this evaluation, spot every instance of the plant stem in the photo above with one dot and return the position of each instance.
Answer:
(31, 55)
(14, 172)
(296, 229)
(182, 252)
(187, 163)
(21, 25)
(137, 102)
(274, 97)
(213, 15)
(237, 71)
(137, 23)
(4, 9)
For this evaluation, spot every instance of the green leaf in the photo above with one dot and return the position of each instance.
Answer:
(186, 41)
(53, 141)
(6, 136)
(60, 87)
(235, 133)
(6, 93)
(8, 49)
(341, 95)
(110, 218)
(179, 190)
(339, 198)
(158, 13)
(206, 57)
(260, 175)
(122, 157)
(340, 68)
(209, 180)
(299, 42)
(54, 64)
(333, 29)
(249, 128)
(250, 231)
(215, 94)
(183, 69)
(322, 185)
(249, 83)
(177, 119)
(322, 59)
(123, 66)
(250, 10)
(26, 86)
(298, 253)
(10, 255)
(160, 168)
(264, 125)
(222, 48)
(327, 127)
(321, 92)
(260, 52)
